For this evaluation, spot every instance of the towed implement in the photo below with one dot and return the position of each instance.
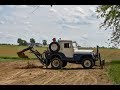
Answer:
(62, 52)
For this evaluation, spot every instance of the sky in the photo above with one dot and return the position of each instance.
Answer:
(69, 22)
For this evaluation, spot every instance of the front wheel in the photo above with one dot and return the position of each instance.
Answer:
(87, 63)
(56, 63)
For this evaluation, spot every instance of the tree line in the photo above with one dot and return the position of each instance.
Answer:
(22, 42)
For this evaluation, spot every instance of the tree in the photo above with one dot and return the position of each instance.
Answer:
(19, 41)
(32, 40)
(111, 16)
(44, 42)
(24, 43)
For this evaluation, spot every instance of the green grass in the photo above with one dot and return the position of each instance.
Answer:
(10, 51)
(9, 57)
(8, 60)
(114, 71)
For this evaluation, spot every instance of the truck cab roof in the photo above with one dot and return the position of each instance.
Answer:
(65, 40)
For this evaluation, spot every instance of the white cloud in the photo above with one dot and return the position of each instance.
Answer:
(2, 22)
(66, 9)
(79, 9)
(85, 36)
(7, 35)
(93, 9)
(11, 6)
(19, 14)
(76, 16)
(26, 23)
(1, 8)
(18, 6)
(52, 10)
(23, 6)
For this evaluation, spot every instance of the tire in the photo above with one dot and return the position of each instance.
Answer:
(56, 63)
(64, 64)
(56, 45)
(87, 63)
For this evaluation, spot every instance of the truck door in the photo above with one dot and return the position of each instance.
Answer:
(67, 49)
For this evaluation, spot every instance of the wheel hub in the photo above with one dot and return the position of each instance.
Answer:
(54, 47)
(56, 63)
(87, 63)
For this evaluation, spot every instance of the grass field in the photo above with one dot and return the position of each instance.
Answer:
(10, 52)
(114, 71)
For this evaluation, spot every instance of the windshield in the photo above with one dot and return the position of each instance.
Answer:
(75, 45)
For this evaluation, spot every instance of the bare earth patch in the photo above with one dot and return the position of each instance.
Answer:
(33, 73)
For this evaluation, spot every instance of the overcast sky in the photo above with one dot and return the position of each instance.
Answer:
(74, 22)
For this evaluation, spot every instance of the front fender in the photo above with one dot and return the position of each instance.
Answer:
(79, 57)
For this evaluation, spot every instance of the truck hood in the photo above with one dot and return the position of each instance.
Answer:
(82, 51)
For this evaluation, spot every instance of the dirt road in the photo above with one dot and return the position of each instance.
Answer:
(16, 73)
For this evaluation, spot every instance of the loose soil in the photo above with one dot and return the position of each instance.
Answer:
(33, 73)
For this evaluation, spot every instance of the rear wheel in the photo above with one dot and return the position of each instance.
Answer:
(56, 63)
(87, 63)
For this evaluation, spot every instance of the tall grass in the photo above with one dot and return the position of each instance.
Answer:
(114, 71)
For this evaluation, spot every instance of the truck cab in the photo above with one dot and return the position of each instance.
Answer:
(66, 47)
(69, 48)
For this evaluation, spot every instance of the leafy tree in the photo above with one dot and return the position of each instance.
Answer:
(32, 40)
(24, 43)
(44, 42)
(20, 41)
(111, 16)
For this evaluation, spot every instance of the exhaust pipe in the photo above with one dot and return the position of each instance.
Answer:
(102, 62)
